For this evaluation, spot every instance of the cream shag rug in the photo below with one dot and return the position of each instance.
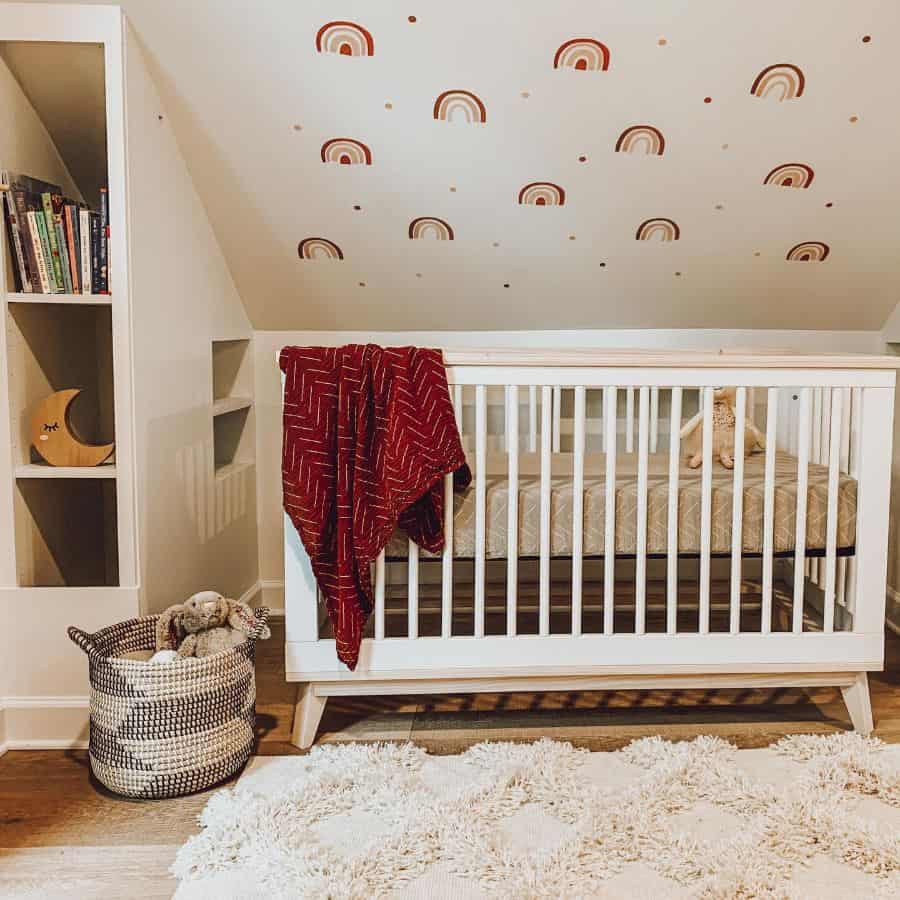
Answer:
(812, 816)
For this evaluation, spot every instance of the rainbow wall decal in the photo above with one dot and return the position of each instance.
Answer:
(641, 137)
(784, 80)
(430, 227)
(346, 152)
(793, 175)
(808, 251)
(661, 229)
(583, 54)
(542, 193)
(318, 248)
(345, 39)
(465, 103)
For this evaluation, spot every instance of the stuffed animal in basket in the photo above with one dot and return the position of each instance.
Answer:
(204, 624)
(724, 417)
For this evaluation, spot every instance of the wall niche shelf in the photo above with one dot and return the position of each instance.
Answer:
(51, 299)
(232, 407)
(231, 404)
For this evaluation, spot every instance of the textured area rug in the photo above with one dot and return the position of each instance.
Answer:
(812, 816)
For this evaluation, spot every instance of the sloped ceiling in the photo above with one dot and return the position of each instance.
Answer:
(258, 90)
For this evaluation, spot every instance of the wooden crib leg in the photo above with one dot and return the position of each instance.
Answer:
(307, 715)
(859, 704)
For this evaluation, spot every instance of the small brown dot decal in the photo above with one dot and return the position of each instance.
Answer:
(602, 265)
(362, 284)
(678, 274)
(388, 105)
(756, 253)
(506, 285)
(707, 99)
(357, 207)
(867, 38)
(720, 206)
(829, 205)
(526, 95)
(724, 146)
(412, 19)
(571, 237)
(662, 42)
(582, 159)
(298, 128)
(418, 274)
(496, 243)
(452, 189)
(854, 119)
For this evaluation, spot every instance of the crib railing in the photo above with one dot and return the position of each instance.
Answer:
(838, 414)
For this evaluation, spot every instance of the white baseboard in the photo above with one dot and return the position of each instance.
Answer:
(272, 590)
(43, 723)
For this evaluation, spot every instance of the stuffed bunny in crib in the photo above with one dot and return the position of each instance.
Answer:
(724, 418)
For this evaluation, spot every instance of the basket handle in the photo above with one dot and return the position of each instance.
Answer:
(83, 640)
(261, 614)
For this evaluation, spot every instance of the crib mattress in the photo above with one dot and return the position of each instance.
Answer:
(689, 503)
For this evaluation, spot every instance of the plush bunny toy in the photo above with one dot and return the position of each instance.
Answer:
(204, 624)
(724, 419)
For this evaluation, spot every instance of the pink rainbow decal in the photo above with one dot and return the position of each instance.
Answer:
(346, 152)
(318, 248)
(663, 229)
(644, 137)
(345, 39)
(793, 175)
(542, 193)
(808, 251)
(430, 227)
(784, 80)
(582, 54)
(466, 103)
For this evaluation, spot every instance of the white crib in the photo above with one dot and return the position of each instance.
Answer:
(607, 621)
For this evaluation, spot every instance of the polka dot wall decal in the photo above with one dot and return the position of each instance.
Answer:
(756, 253)
(644, 138)
(457, 104)
(412, 19)
(866, 38)
(582, 159)
(452, 189)
(602, 265)
(345, 39)
(662, 42)
(724, 146)
(297, 127)
(418, 274)
(496, 243)
(854, 119)
(583, 55)
(678, 274)
(783, 81)
(357, 207)
(388, 105)
(318, 248)
(430, 227)
(525, 95)
(346, 152)
(720, 206)
(662, 229)
(707, 99)
(542, 193)
(792, 175)
(506, 285)
(808, 251)
(829, 205)
(362, 284)
(571, 237)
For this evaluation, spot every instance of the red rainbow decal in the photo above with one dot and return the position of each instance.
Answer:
(793, 175)
(466, 103)
(783, 79)
(345, 39)
(430, 227)
(582, 54)
(644, 137)
(808, 251)
(542, 193)
(664, 229)
(318, 248)
(346, 152)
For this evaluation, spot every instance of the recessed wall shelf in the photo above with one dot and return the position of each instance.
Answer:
(39, 470)
(231, 404)
(84, 299)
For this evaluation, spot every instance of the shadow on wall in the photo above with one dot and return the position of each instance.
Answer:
(200, 529)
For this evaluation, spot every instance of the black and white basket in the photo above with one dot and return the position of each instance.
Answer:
(166, 729)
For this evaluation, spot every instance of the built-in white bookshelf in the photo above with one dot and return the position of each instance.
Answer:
(232, 406)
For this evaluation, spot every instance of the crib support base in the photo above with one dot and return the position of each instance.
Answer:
(307, 715)
(859, 704)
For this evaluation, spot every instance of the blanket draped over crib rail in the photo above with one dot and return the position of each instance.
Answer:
(369, 434)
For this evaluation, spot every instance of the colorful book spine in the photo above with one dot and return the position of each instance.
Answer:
(20, 203)
(70, 223)
(57, 201)
(47, 201)
(40, 221)
(95, 252)
(21, 275)
(38, 248)
(84, 231)
(104, 241)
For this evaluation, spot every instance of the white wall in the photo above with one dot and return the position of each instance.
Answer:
(268, 389)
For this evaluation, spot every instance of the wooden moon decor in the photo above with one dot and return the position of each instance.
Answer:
(53, 438)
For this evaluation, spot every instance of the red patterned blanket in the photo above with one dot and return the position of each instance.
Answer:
(369, 433)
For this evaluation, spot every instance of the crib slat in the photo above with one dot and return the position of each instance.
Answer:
(855, 416)
(769, 509)
(447, 560)
(412, 591)
(609, 539)
(640, 574)
(557, 417)
(812, 565)
(802, 502)
(379, 597)
(737, 511)
(512, 527)
(845, 467)
(544, 573)
(532, 418)
(480, 496)
(706, 509)
(831, 523)
(672, 522)
(578, 506)
(458, 406)
(629, 420)
(654, 419)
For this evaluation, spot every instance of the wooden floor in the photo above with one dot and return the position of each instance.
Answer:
(56, 822)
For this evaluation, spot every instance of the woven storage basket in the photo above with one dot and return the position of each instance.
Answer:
(166, 729)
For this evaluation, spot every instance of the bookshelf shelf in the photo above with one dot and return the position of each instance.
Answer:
(41, 470)
(50, 299)
(231, 404)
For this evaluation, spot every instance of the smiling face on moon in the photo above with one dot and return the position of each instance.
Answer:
(52, 437)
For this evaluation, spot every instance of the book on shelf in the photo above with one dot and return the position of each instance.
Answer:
(57, 245)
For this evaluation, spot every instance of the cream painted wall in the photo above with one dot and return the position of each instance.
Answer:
(197, 531)
(268, 389)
